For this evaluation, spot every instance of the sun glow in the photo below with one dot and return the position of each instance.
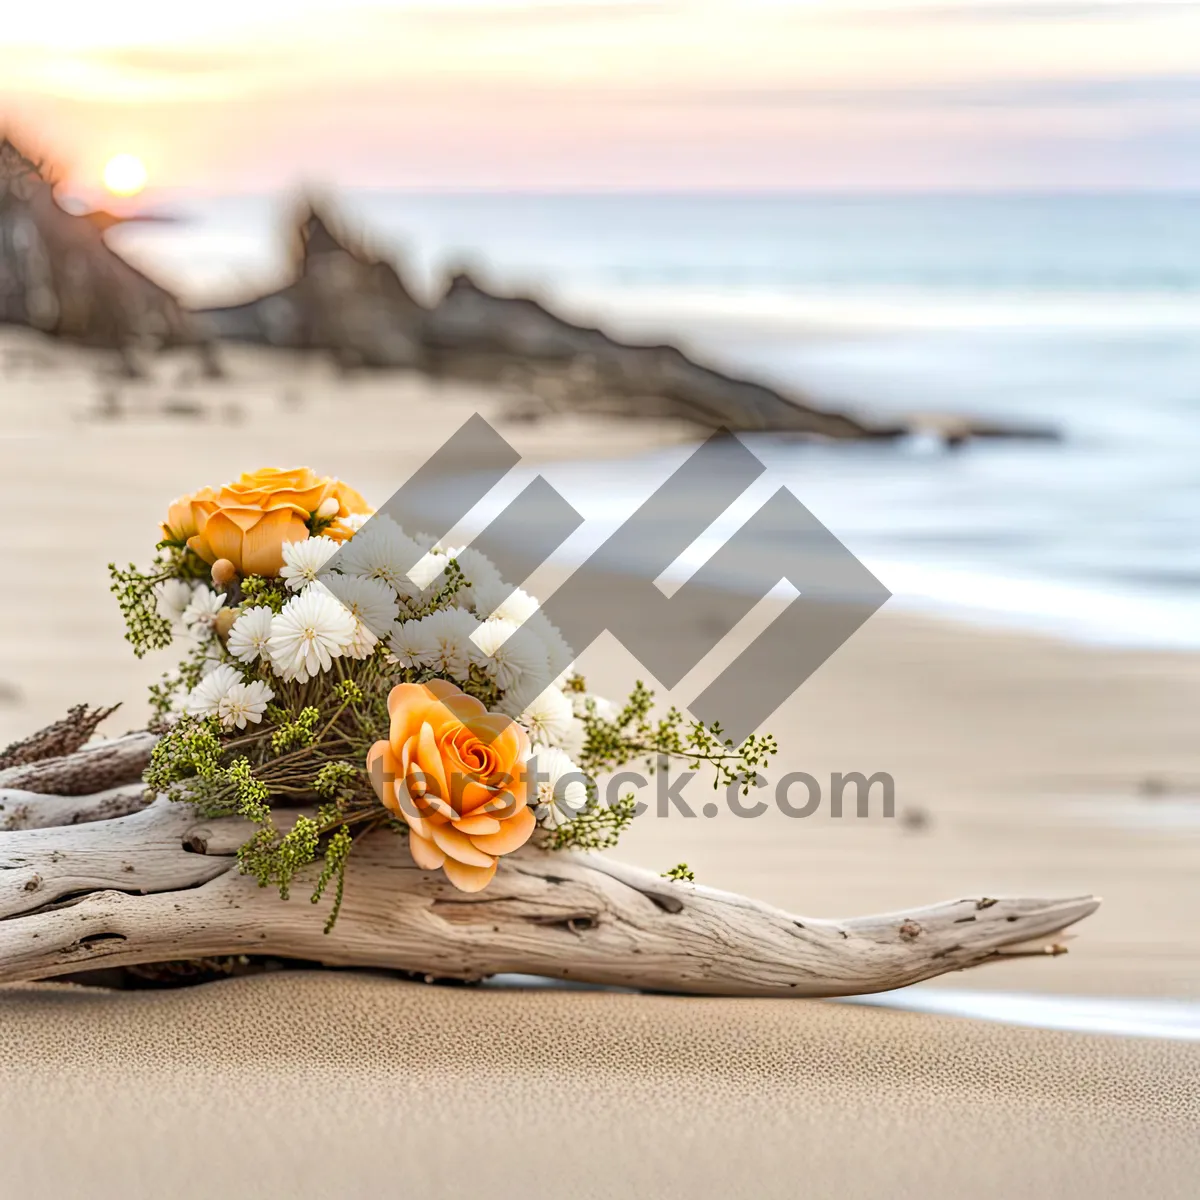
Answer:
(125, 175)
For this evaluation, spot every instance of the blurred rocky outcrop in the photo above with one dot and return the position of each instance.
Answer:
(59, 276)
(477, 333)
(342, 299)
(356, 306)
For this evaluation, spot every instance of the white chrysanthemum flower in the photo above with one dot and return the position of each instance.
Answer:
(171, 600)
(477, 569)
(373, 606)
(204, 700)
(427, 570)
(244, 702)
(428, 542)
(508, 654)
(312, 630)
(303, 561)
(199, 618)
(504, 603)
(250, 634)
(561, 657)
(410, 643)
(548, 717)
(450, 649)
(559, 787)
(382, 551)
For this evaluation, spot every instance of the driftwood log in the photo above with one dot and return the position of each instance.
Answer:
(82, 888)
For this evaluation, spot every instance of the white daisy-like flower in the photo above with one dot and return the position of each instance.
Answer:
(171, 599)
(382, 551)
(477, 569)
(250, 634)
(561, 657)
(450, 647)
(200, 615)
(509, 655)
(500, 602)
(410, 643)
(204, 700)
(548, 717)
(427, 570)
(373, 606)
(559, 786)
(244, 702)
(303, 561)
(312, 630)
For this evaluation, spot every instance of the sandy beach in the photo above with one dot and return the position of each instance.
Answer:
(244, 1087)
(1022, 765)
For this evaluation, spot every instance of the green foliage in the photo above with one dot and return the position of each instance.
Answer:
(260, 592)
(337, 853)
(597, 827)
(680, 873)
(633, 735)
(334, 778)
(300, 732)
(348, 692)
(190, 749)
(145, 630)
(452, 580)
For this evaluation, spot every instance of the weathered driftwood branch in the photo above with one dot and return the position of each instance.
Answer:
(35, 810)
(162, 884)
(93, 769)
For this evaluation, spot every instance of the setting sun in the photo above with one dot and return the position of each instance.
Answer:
(125, 175)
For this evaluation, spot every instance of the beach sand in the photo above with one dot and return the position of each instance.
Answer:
(307, 1085)
(1022, 765)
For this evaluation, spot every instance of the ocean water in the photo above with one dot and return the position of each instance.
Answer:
(1080, 312)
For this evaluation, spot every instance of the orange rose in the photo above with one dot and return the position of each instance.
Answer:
(456, 774)
(181, 519)
(248, 521)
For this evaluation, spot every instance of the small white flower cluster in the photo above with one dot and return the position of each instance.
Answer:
(223, 694)
(191, 608)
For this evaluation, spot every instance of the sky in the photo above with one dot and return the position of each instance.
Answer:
(250, 95)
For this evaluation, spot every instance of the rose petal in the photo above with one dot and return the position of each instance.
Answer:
(425, 854)
(477, 825)
(262, 546)
(429, 759)
(468, 879)
(516, 832)
(458, 846)
(384, 771)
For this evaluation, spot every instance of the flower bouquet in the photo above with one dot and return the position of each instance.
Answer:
(364, 712)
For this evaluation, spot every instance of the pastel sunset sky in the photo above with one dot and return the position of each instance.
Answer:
(741, 94)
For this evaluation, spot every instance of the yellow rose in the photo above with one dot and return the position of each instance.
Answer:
(181, 518)
(456, 774)
(249, 520)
